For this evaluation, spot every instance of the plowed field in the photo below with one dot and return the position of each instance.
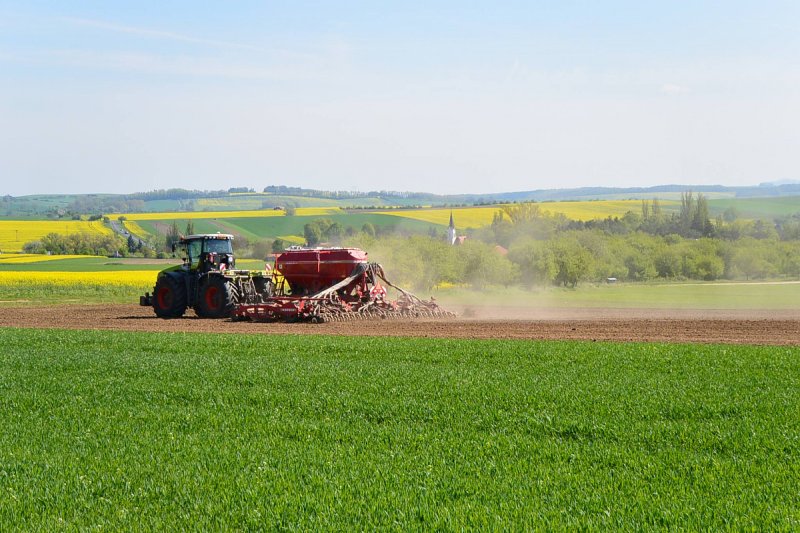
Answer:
(659, 325)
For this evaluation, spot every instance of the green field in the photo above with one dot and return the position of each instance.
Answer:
(722, 295)
(239, 202)
(699, 295)
(88, 264)
(106, 430)
(106, 264)
(255, 228)
(88, 290)
(758, 208)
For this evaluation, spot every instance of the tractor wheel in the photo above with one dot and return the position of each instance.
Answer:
(217, 298)
(169, 297)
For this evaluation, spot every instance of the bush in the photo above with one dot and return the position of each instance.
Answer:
(78, 244)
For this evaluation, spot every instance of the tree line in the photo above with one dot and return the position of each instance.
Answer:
(78, 244)
(576, 256)
(526, 246)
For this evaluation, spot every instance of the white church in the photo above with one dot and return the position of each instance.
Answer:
(452, 238)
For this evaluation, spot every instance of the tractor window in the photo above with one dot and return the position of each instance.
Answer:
(193, 249)
(220, 246)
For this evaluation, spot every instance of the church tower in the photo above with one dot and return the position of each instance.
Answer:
(451, 230)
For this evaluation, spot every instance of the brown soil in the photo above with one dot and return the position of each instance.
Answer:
(657, 325)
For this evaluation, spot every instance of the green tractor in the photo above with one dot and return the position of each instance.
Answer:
(207, 281)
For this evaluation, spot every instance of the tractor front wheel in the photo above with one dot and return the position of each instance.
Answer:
(217, 298)
(169, 297)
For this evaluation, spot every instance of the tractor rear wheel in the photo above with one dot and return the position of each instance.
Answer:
(169, 297)
(217, 298)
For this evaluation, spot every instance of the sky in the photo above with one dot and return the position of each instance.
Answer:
(446, 97)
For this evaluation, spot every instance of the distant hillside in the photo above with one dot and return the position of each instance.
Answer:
(765, 190)
(280, 196)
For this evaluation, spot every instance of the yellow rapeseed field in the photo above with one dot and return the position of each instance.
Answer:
(591, 210)
(134, 228)
(191, 215)
(294, 239)
(15, 233)
(318, 211)
(475, 217)
(17, 259)
(121, 278)
(464, 217)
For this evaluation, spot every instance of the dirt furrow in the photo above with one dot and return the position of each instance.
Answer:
(652, 325)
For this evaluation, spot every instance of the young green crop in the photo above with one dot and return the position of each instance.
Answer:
(182, 431)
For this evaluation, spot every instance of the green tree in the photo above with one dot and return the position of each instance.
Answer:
(173, 236)
(368, 229)
(667, 262)
(312, 233)
(536, 262)
(656, 209)
(700, 218)
(686, 215)
(79, 244)
(790, 265)
(260, 249)
(640, 266)
(334, 232)
(701, 259)
(279, 245)
(520, 213)
(764, 230)
(483, 266)
(730, 214)
(573, 262)
(750, 263)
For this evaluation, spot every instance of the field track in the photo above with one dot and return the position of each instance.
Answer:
(627, 325)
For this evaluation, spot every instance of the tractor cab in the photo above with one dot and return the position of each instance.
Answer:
(207, 253)
(207, 281)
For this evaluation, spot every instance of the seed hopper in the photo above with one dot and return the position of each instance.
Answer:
(333, 285)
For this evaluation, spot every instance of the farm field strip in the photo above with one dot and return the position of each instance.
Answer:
(251, 200)
(18, 259)
(509, 303)
(464, 217)
(287, 227)
(294, 239)
(754, 327)
(135, 278)
(15, 233)
(133, 227)
(702, 295)
(192, 215)
(84, 263)
(598, 209)
(121, 430)
(474, 217)
(764, 208)
(267, 223)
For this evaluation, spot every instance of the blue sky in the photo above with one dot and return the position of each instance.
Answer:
(444, 97)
